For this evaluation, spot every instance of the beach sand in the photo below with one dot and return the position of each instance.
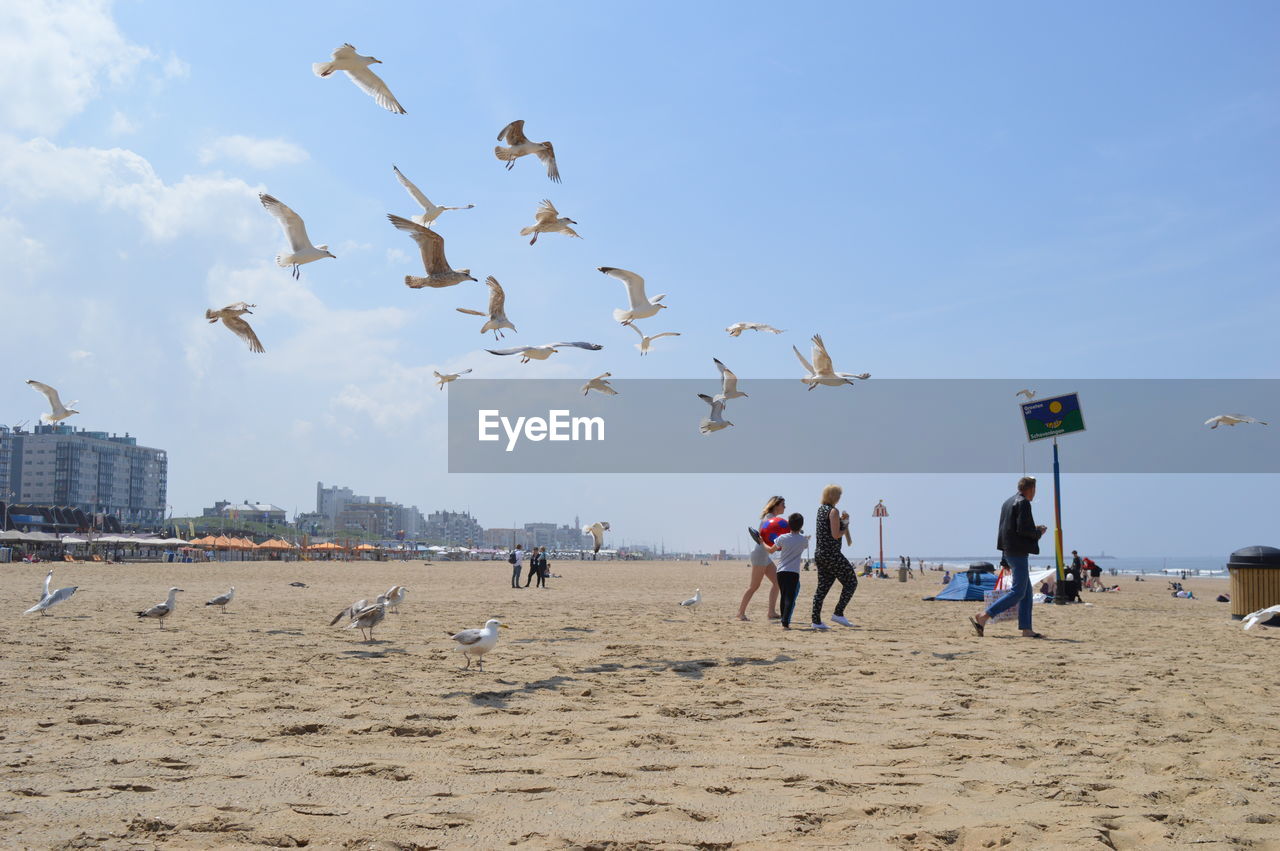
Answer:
(608, 717)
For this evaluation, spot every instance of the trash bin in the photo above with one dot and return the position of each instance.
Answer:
(1255, 580)
(902, 574)
(6, 554)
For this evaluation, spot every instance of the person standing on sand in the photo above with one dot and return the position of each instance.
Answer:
(789, 547)
(533, 567)
(762, 566)
(543, 567)
(828, 530)
(517, 562)
(1018, 537)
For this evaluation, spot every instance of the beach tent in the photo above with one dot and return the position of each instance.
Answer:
(971, 584)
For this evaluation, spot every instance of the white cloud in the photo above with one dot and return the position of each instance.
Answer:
(80, 355)
(258, 153)
(119, 179)
(175, 68)
(121, 125)
(57, 52)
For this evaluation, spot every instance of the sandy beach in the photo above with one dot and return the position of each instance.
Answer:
(608, 717)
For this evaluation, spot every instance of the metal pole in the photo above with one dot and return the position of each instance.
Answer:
(1059, 591)
(882, 542)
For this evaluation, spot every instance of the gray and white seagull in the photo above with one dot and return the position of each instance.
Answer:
(430, 211)
(497, 309)
(431, 245)
(300, 248)
(549, 220)
(715, 421)
(50, 599)
(641, 306)
(59, 411)
(542, 352)
(822, 371)
(356, 67)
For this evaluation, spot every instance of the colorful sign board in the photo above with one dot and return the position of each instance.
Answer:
(1052, 417)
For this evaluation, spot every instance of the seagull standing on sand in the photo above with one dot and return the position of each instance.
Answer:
(300, 248)
(430, 212)
(549, 220)
(542, 352)
(738, 327)
(715, 421)
(230, 316)
(1214, 422)
(596, 530)
(643, 345)
(1260, 616)
(49, 600)
(497, 310)
(222, 599)
(601, 384)
(692, 602)
(349, 612)
(431, 245)
(642, 307)
(369, 617)
(728, 384)
(442, 380)
(513, 135)
(477, 642)
(356, 67)
(395, 596)
(160, 611)
(60, 411)
(822, 371)
(1030, 394)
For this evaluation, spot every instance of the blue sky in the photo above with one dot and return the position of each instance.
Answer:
(979, 190)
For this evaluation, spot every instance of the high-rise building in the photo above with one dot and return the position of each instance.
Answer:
(452, 528)
(90, 470)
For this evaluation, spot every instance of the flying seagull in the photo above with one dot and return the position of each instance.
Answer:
(715, 421)
(477, 642)
(395, 596)
(596, 530)
(728, 384)
(431, 244)
(513, 135)
(160, 611)
(1260, 616)
(1214, 422)
(369, 617)
(692, 602)
(222, 599)
(600, 383)
(642, 307)
(356, 67)
(60, 411)
(542, 352)
(231, 317)
(822, 371)
(442, 380)
(300, 248)
(643, 345)
(548, 220)
(1030, 394)
(430, 212)
(497, 310)
(49, 600)
(738, 327)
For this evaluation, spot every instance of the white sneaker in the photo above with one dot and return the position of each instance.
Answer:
(819, 626)
(841, 619)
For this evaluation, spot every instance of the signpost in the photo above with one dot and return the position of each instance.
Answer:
(881, 512)
(1050, 418)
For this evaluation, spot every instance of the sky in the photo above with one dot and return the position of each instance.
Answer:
(981, 190)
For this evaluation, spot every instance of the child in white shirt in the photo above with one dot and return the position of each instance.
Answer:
(789, 549)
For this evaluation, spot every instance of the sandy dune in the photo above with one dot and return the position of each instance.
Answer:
(607, 717)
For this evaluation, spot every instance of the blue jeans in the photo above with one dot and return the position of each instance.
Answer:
(1019, 594)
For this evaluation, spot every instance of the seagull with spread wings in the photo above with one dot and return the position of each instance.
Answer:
(300, 248)
(600, 384)
(445, 378)
(1220, 419)
(59, 411)
(596, 531)
(738, 327)
(231, 317)
(369, 617)
(356, 67)
(642, 307)
(542, 352)
(49, 599)
(1029, 394)
(821, 371)
(497, 310)
(520, 146)
(643, 345)
(715, 421)
(548, 220)
(430, 212)
(431, 244)
(728, 383)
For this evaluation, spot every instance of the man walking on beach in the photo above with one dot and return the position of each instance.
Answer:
(1017, 538)
(517, 562)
